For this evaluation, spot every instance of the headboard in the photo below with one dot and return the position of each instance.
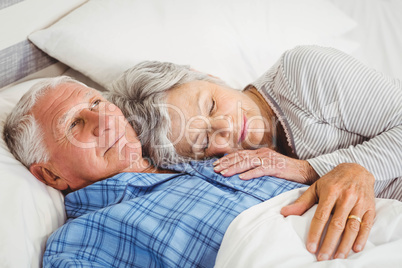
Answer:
(18, 56)
(23, 54)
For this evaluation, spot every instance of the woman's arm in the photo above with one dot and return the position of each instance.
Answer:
(354, 114)
(347, 113)
(340, 97)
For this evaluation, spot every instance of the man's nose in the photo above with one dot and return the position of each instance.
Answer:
(104, 124)
(97, 121)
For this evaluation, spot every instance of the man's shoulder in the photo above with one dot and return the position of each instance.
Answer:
(110, 191)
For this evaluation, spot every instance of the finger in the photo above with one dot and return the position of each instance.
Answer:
(319, 221)
(231, 159)
(365, 228)
(352, 228)
(254, 173)
(252, 165)
(302, 204)
(336, 227)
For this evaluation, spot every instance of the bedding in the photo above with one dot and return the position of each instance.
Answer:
(19, 18)
(236, 40)
(378, 33)
(262, 237)
(30, 210)
(233, 39)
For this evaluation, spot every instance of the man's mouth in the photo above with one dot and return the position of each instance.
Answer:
(111, 146)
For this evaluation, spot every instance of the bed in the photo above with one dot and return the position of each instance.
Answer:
(96, 40)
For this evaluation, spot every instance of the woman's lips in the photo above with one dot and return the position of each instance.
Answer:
(243, 133)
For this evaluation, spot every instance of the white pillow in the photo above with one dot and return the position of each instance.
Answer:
(30, 210)
(236, 40)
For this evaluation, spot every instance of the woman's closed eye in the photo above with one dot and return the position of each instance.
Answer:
(211, 110)
(205, 143)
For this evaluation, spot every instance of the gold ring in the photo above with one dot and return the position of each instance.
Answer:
(355, 217)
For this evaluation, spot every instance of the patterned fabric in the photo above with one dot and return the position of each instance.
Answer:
(335, 110)
(21, 60)
(7, 3)
(155, 220)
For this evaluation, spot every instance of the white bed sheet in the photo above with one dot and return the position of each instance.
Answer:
(262, 237)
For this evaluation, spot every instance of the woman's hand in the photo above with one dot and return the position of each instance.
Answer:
(345, 191)
(256, 163)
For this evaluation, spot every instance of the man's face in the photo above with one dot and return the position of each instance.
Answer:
(87, 137)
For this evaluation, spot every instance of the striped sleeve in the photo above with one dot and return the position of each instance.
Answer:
(333, 89)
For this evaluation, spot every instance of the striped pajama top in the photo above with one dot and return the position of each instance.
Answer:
(336, 110)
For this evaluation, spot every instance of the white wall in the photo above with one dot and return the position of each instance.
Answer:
(379, 32)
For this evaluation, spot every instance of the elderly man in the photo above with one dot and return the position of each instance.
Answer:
(121, 210)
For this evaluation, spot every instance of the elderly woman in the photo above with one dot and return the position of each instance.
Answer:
(313, 111)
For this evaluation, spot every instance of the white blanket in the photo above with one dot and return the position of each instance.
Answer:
(262, 237)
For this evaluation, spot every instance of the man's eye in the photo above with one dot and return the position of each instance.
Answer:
(94, 104)
(74, 124)
(212, 107)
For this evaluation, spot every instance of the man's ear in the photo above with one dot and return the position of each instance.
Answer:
(43, 173)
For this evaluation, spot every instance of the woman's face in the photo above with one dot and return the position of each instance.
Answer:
(211, 120)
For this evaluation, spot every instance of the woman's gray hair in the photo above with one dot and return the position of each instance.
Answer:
(22, 133)
(141, 93)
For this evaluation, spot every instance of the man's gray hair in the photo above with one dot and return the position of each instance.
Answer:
(22, 133)
(141, 94)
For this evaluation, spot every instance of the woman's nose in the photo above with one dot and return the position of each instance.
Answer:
(220, 134)
(221, 126)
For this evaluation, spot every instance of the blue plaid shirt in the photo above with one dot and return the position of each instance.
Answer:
(155, 220)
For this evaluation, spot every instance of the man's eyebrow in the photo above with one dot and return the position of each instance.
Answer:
(62, 120)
